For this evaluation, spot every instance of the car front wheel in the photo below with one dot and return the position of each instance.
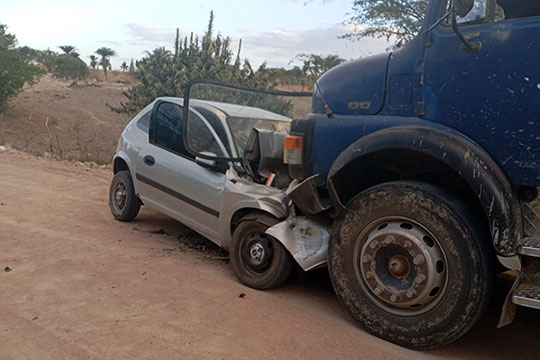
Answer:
(258, 260)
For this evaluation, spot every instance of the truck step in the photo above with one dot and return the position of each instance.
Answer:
(527, 295)
(530, 246)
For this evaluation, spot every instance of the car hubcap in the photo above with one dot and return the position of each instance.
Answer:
(400, 266)
(120, 196)
(257, 254)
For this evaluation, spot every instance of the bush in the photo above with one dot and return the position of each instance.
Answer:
(67, 67)
(166, 73)
(14, 70)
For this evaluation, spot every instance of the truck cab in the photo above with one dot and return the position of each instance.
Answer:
(430, 156)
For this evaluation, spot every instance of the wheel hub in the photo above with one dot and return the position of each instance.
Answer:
(120, 196)
(256, 253)
(401, 266)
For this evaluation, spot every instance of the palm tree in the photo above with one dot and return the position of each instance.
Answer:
(93, 61)
(124, 66)
(316, 65)
(69, 50)
(105, 54)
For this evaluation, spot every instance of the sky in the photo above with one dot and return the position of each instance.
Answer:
(272, 31)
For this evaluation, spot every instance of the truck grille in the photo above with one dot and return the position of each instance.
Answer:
(531, 217)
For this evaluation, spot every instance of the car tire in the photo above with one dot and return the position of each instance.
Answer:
(123, 202)
(258, 260)
(411, 264)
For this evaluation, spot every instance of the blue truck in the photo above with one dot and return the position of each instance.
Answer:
(419, 171)
(430, 156)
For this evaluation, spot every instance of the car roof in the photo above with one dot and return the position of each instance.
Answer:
(232, 110)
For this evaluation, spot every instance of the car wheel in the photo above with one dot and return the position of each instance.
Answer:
(123, 202)
(258, 260)
(410, 264)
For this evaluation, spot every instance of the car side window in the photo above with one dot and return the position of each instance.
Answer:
(214, 121)
(144, 122)
(166, 128)
(200, 137)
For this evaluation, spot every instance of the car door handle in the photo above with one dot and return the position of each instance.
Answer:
(149, 160)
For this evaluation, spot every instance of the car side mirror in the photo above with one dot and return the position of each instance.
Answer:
(208, 163)
(463, 7)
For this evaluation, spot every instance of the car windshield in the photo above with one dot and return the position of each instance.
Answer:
(241, 129)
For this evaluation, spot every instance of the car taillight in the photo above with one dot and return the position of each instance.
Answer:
(292, 152)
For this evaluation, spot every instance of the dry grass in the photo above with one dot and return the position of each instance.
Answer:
(53, 119)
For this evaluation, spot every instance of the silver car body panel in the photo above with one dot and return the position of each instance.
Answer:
(306, 238)
(206, 200)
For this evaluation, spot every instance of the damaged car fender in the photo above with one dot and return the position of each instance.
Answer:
(242, 196)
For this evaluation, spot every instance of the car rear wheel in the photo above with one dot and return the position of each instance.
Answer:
(410, 264)
(258, 260)
(123, 202)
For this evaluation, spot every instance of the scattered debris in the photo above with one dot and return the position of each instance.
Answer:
(144, 273)
(35, 318)
(242, 295)
(2, 204)
(218, 257)
(159, 232)
(169, 249)
(2, 149)
(7, 269)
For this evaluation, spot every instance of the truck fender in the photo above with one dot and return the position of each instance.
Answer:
(460, 154)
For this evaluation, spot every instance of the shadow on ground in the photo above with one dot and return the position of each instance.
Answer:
(484, 341)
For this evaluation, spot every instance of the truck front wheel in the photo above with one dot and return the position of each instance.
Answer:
(411, 264)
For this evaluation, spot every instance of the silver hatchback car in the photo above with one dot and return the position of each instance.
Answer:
(153, 167)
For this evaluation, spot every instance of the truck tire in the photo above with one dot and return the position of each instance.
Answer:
(258, 260)
(411, 264)
(123, 201)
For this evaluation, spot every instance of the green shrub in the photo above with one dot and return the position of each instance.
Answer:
(14, 70)
(67, 67)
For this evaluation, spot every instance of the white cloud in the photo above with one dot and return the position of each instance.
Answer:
(147, 35)
(280, 46)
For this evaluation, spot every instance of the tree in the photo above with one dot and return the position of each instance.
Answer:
(69, 67)
(132, 66)
(316, 65)
(397, 20)
(105, 62)
(15, 71)
(47, 58)
(165, 73)
(93, 61)
(69, 50)
(124, 66)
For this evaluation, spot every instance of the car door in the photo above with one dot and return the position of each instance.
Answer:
(169, 178)
(491, 92)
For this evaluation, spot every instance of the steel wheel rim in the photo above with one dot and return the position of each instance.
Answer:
(256, 253)
(119, 199)
(400, 266)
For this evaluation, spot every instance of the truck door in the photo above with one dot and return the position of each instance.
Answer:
(491, 94)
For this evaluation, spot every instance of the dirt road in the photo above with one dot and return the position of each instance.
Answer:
(83, 286)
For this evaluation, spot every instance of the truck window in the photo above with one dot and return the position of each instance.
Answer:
(497, 10)
(478, 13)
(515, 9)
